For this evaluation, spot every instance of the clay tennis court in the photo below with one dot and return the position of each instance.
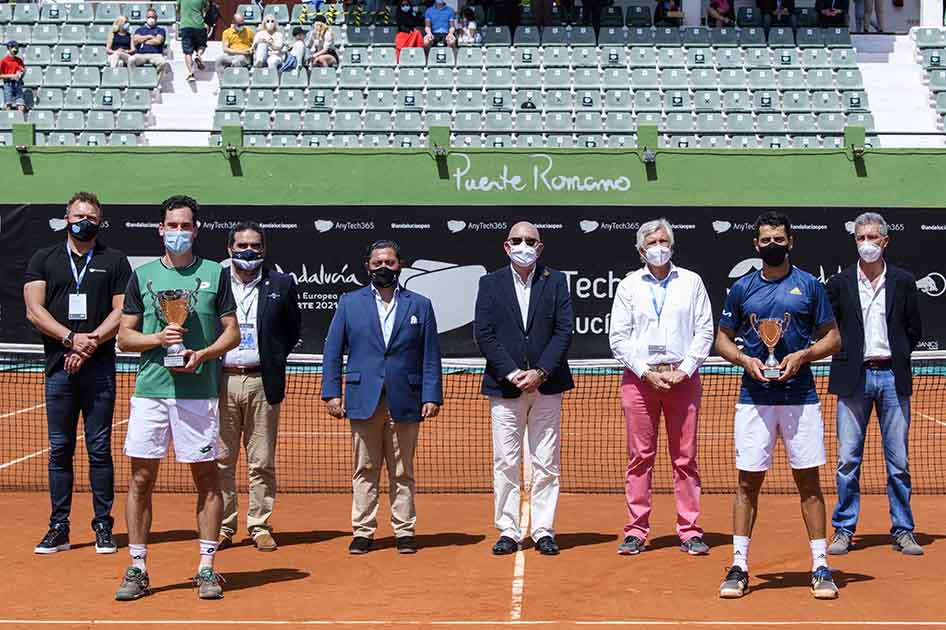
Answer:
(454, 580)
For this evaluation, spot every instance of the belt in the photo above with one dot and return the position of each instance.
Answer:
(878, 364)
(241, 370)
(663, 367)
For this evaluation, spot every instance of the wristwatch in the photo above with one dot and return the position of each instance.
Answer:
(543, 374)
(67, 340)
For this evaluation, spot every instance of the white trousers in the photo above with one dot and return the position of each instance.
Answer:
(510, 417)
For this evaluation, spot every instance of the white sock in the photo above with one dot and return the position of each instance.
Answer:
(207, 550)
(740, 552)
(138, 555)
(819, 553)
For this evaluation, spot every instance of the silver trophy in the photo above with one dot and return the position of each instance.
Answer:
(770, 331)
(174, 306)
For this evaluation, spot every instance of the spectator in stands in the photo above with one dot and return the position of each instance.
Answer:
(440, 25)
(237, 44)
(720, 13)
(407, 23)
(118, 44)
(296, 56)
(542, 11)
(321, 44)
(777, 13)
(863, 11)
(12, 70)
(468, 33)
(831, 13)
(268, 44)
(148, 44)
(193, 34)
(668, 13)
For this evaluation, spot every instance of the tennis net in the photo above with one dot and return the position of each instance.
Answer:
(454, 452)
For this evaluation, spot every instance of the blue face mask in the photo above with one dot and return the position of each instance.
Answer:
(247, 259)
(178, 242)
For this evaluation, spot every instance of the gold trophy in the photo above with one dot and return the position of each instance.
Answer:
(174, 306)
(770, 331)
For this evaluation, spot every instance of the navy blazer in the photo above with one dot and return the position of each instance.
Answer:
(408, 369)
(542, 343)
(904, 329)
(278, 321)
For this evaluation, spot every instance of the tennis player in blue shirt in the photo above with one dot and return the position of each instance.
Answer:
(783, 319)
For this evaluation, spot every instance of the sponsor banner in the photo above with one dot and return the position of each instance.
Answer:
(447, 249)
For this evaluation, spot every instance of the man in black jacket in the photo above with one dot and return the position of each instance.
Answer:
(254, 381)
(875, 305)
(523, 327)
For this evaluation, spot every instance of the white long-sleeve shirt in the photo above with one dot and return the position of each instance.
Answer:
(682, 334)
(874, 314)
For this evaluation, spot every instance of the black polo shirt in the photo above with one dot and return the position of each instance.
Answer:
(106, 277)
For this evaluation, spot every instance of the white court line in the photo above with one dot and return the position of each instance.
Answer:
(939, 422)
(19, 460)
(519, 570)
(23, 410)
(314, 433)
(341, 622)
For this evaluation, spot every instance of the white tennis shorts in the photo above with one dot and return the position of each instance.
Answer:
(758, 426)
(192, 424)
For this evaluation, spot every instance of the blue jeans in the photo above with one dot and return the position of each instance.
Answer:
(90, 391)
(893, 413)
(13, 93)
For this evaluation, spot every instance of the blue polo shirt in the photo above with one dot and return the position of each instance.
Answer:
(145, 49)
(440, 18)
(804, 298)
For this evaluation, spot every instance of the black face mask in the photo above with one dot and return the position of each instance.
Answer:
(83, 230)
(773, 254)
(384, 277)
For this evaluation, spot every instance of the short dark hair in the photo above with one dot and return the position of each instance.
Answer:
(242, 226)
(298, 30)
(773, 219)
(179, 201)
(85, 197)
(384, 243)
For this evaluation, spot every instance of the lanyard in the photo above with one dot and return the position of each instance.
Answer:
(78, 277)
(252, 294)
(659, 308)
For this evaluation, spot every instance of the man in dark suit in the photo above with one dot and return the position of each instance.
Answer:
(831, 13)
(875, 305)
(392, 382)
(523, 327)
(254, 382)
(777, 13)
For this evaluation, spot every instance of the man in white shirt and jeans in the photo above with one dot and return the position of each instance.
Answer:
(661, 332)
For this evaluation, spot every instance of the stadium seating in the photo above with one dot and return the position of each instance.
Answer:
(931, 53)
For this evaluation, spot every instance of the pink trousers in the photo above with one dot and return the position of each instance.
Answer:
(681, 409)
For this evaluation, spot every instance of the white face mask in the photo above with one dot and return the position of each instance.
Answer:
(523, 255)
(869, 251)
(657, 255)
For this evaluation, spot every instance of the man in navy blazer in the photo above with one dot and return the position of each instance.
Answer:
(523, 327)
(392, 382)
(876, 308)
(254, 382)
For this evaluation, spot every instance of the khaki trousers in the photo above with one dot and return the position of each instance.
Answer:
(246, 418)
(377, 441)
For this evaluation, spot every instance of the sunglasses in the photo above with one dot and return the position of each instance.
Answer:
(517, 240)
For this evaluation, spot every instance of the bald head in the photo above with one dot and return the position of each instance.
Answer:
(524, 229)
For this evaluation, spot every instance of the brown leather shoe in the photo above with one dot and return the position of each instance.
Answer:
(264, 541)
(224, 542)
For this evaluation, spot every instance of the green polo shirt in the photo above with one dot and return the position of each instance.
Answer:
(192, 13)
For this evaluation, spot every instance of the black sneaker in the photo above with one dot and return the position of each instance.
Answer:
(359, 545)
(56, 539)
(406, 544)
(104, 543)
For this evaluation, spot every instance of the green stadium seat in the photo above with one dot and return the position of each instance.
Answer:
(469, 78)
(810, 38)
(806, 142)
(843, 58)
(558, 100)
(770, 123)
(612, 36)
(622, 141)
(410, 141)
(556, 56)
(377, 121)
(766, 102)
(470, 57)
(323, 78)
(93, 138)
(710, 122)
(831, 122)
(107, 100)
(644, 79)
(233, 78)
(648, 118)
(616, 78)
(497, 36)
(619, 123)
(225, 118)
(825, 101)
(642, 57)
(703, 79)
(763, 79)
(254, 137)
(737, 101)
(256, 121)
(677, 101)
(526, 57)
(941, 103)
(647, 101)
(729, 58)
(93, 56)
(37, 56)
(707, 101)
(864, 120)
(618, 100)
(106, 12)
(33, 77)
(144, 77)
(854, 101)
(527, 36)
(56, 138)
(667, 36)
(231, 100)
(775, 142)
(357, 56)
(802, 123)
(352, 78)
(733, 79)
(785, 58)
(559, 122)
(499, 122)
(752, 37)
(136, 100)
(747, 17)
(499, 100)
(816, 79)
(671, 57)
(22, 33)
(641, 36)
(359, 36)
(79, 12)
(97, 34)
(48, 98)
(280, 11)
(930, 37)
(57, 76)
(758, 58)
(588, 100)
(86, 77)
(290, 100)
(849, 79)
(251, 14)
(614, 56)
(135, 11)
(585, 57)
(586, 78)
(260, 99)
(408, 122)
(582, 36)
(6, 13)
(380, 77)
(41, 119)
(65, 55)
(411, 100)
(383, 36)
(937, 80)
(413, 78)
(437, 119)
(796, 101)
(43, 34)
(612, 16)
(285, 140)
(695, 36)
(498, 78)
(637, 16)
(467, 122)
(379, 100)
(678, 141)
(413, 57)
(528, 79)
(347, 100)
(780, 37)
(317, 121)
(815, 58)
(297, 79)
(712, 141)
(837, 37)
(724, 37)
(100, 121)
(25, 13)
(557, 78)
(439, 56)
(697, 57)
(680, 123)
(555, 36)
(70, 120)
(264, 78)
